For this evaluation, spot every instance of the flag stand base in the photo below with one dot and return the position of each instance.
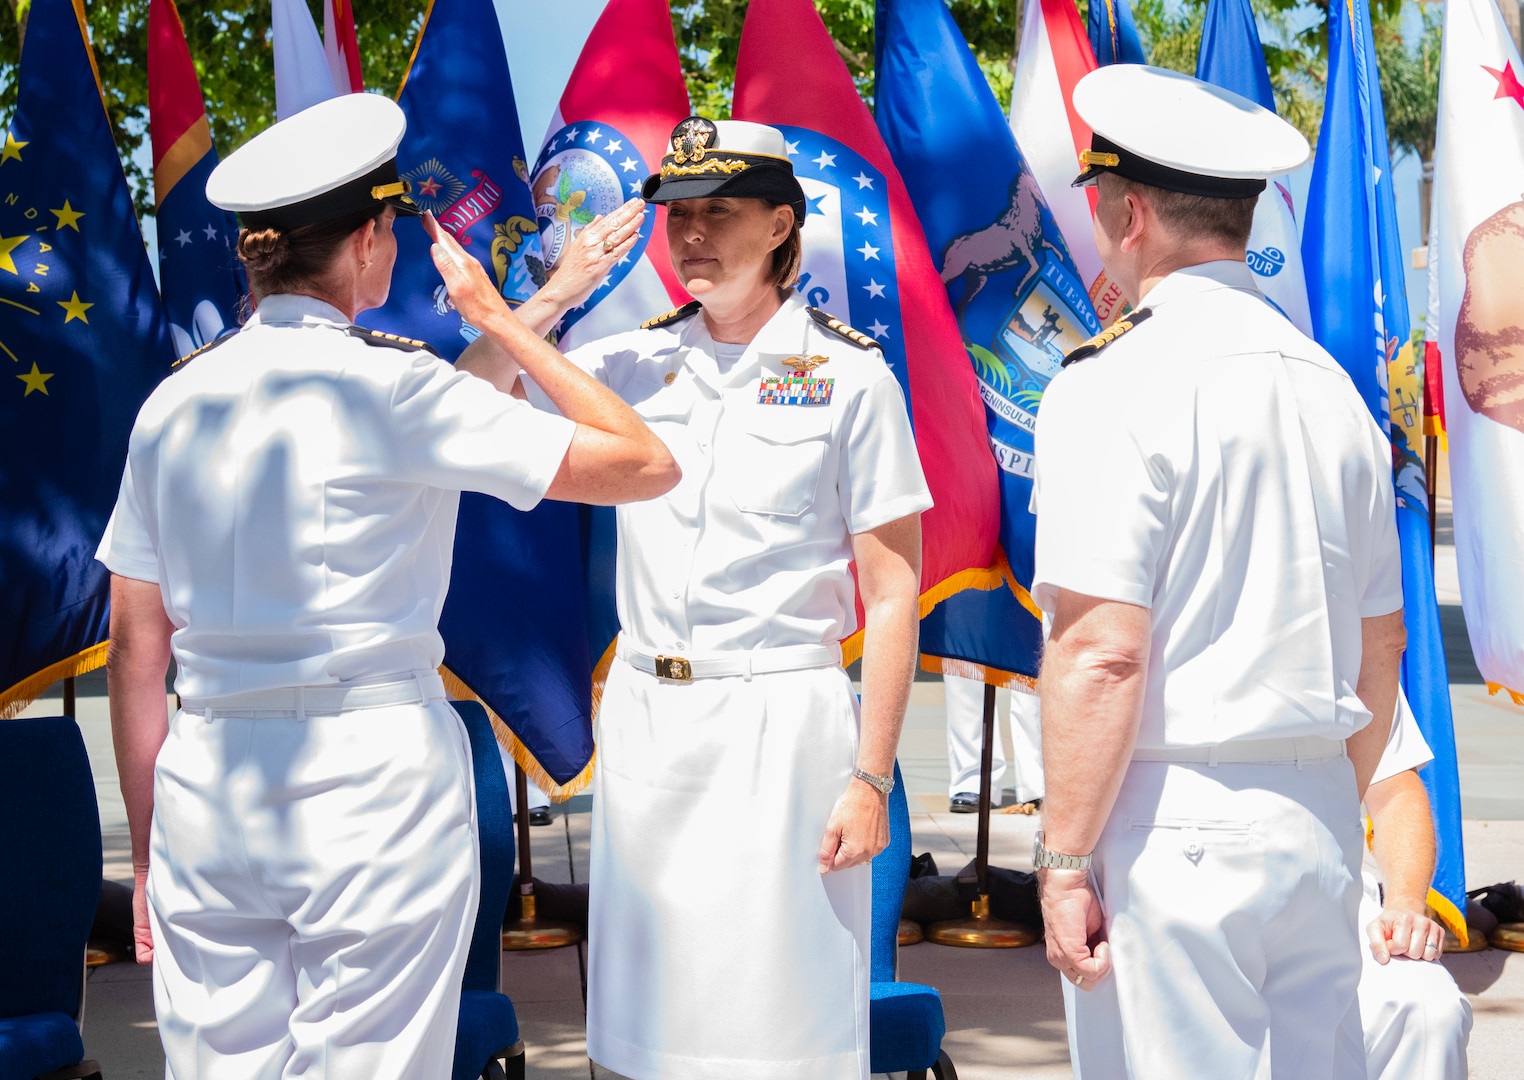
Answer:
(910, 932)
(528, 932)
(981, 930)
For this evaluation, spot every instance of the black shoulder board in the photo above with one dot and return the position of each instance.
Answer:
(675, 315)
(208, 347)
(1107, 336)
(841, 329)
(389, 341)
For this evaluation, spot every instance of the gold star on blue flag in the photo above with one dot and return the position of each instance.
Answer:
(84, 337)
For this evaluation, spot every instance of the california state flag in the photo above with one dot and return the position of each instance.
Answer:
(1478, 261)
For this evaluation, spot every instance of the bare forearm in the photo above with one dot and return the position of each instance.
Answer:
(137, 660)
(542, 311)
(1382, 640)
(488, 360)
(1093, 677)
(1403, 839)
(890, 640)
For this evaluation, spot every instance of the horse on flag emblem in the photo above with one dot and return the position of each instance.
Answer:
(585, 171)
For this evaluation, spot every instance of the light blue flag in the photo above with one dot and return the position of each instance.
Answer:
(1113, 33)
(1353, 258)
(1018, 299)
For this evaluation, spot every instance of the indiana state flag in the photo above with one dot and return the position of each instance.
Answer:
(1354, 262)
(199, 271)
(1233, 58)
(1019, 301)
(514, 622)
(83, 340)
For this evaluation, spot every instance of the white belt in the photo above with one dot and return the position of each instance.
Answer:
(1262, 751)
(398, 689)
(746, 664)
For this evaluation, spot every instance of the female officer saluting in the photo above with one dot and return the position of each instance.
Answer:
(738, 798)
(285, 527)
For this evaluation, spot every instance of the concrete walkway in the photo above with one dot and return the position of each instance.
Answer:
(1003, 1007)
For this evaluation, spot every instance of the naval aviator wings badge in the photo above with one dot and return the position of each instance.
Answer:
(799, 386)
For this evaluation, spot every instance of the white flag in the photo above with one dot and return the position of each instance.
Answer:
(302, 75)
(1478, 264)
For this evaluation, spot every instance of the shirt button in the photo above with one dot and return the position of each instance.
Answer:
(682, 644)
(1193, 849)
(671, 378)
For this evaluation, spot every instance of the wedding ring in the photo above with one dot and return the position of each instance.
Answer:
(608, 244)
(1078, 979)
(1430, 946)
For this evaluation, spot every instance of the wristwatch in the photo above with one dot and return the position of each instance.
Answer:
(884, 784)
(1042, 857)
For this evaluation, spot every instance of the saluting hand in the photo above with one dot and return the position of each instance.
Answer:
(1075, 927)
(598, 248)
(858, 828)
(470, 289)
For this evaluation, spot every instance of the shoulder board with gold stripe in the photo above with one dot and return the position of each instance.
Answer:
(1107, 336)
(842, 330)
(675, 315)
(389, 341)
(208, 347)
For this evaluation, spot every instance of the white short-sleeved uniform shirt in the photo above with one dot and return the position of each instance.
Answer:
(751, 549)
(1216, 466)
(293, 492)
(1406, 748)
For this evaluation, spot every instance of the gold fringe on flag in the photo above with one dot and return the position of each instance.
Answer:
(1453, 919)
(459, 691)
(1499, 688)
(15, 700)
(966, 669)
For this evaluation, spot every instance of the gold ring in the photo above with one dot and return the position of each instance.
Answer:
(608, 244)
(1078, 979)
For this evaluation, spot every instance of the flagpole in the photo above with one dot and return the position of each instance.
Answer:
(980, 929)
(528, 931)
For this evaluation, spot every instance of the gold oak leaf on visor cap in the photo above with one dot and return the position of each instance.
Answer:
(1171, 131)
(330, 161)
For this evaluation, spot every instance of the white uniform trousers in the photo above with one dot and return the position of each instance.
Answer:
(1416, 1020)
(312, 888)
(716, 948)
(1230, 894)
(965, 741)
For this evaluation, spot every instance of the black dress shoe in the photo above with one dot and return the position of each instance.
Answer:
(539, 815)
(964, 802)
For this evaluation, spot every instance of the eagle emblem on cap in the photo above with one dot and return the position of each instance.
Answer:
(692, 139)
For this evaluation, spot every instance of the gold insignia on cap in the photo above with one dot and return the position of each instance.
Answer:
(1097, 157)
(692, 139)
(723, 165)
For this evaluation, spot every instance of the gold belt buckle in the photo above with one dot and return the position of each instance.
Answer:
(675, 668)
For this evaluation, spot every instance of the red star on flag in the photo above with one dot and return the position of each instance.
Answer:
(1508, 83)
(430, 187)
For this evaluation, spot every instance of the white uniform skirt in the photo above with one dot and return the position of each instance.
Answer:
(716, 948)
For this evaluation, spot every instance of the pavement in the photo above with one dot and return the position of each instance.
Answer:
(1003, 1007)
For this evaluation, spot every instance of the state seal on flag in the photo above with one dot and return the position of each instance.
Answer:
(586, 170)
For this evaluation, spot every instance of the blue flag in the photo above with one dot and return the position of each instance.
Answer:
(1019, 301)
(1353, 258)
(1113, 33)
(514, 622)
(1232, 55)
(84, 341)
(200, 274)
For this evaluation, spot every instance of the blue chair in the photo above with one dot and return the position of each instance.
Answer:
(50, 864)
(905, 1021)
(487, 1043)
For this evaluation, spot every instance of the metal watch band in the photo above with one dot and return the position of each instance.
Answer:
(884, 784)
(1042, 857)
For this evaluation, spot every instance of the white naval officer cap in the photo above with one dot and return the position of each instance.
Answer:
(333, 160)
(729, 158)
(1171, 131)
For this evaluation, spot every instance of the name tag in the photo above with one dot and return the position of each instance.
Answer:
(795, 390)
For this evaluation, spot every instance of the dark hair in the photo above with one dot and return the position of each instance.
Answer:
(282, 261)
(787, 256)
(1196, 216)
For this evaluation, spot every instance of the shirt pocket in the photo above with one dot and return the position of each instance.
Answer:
(781, 450)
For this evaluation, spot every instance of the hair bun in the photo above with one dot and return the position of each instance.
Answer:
(263, 251)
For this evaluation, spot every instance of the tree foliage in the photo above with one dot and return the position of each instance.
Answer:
(231, 47)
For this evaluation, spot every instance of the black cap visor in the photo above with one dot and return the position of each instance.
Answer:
(757, 177)
(1106, 156)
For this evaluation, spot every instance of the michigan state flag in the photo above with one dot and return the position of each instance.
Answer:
(83, 340)
(1020, 303)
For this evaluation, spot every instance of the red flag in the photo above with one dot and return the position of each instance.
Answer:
(340, 46)
(608, 134)
(789, 75)
(176, 114)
